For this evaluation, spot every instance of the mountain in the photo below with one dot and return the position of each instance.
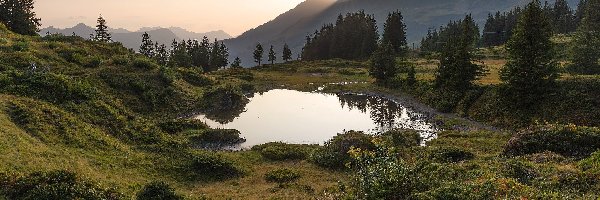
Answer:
(132, 39)
(420, 15)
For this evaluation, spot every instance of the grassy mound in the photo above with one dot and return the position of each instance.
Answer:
(566, 140)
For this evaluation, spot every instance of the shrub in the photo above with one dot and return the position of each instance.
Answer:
(219, 136)
(53, 185)
(20, 45)
(158, 191)
(223, 103)
(144, 63)
(281, 151)
(566, 140)
(92, 61)
(449, 154)
(120, 60)
(403, 138)
(282, 176)
(50, 87)
(592, 163)
(212, 165)
(179, 125)
(334, 154)
(519, 170)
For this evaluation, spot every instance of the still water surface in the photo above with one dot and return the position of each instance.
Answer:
(313, 118)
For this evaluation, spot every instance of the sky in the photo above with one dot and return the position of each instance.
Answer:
(231, 16)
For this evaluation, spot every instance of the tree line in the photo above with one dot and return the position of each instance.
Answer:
(259, 52)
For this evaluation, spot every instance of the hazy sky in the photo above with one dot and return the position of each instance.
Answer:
(232, 16)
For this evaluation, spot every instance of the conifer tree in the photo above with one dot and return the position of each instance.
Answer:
(201, 54)
(19, 17)
(579, 12)
(258, 53)
(179, 55)
(586, 45)
(102, 34)
(161, 55)
(287, 53)
(147, 47)
(457, 70)
(563, 18)
(530, 70)
(395, 33)
(411, 77)
(215, 57)
(272, 55)
(237, 63)
(383, 64)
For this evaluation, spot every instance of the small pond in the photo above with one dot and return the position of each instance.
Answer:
(313, 118)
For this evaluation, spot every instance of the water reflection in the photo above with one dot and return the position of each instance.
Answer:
(313, 118)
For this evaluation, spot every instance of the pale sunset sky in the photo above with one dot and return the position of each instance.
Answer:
(232, 16)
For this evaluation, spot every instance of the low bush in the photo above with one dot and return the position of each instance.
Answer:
(179, 125)
(223, 103)
(403, 138)
(282, 176)
(279, 151)
(211, 165)
(591, 163)
(92, 61)
(53, 185)
(334, 154)
(521, 171)
(219, 136)
(158, 191)
(566, 140)
(144, 63)
(449, 154)
(122, 60)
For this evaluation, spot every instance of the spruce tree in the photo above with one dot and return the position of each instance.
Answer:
(102, 34)
(530, 70)
(586, 45)
(237, 63)
(215, 57)
(287, 53)
(258, 53)
(147, 46)
(19, 17)
(272, 55)
(457, 71)
(161, 55)
(179, 55)
(563, 17)
(579, 12)
(383, 64)
(394, 32)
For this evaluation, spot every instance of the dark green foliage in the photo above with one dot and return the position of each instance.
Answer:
(354, 37)
(449, 154)
(531, 69)
(591, 163)
(224, 103)
(158, 191)
(179, 55)
(218, 56)
(282, 176)
(383, 64)
(563, 18)
(201, 53)
(92, 61)
(258, 53)
(180, 125)
(572, 141)
(334, 154)
(19, 17)
(586, 43)
(49, 87)
(102, 34)
(237, 63)
(211, 165)
(499, 27)
(144, 63)
(457, 69)
(53, 185)
(394, 33)
(147, 46)
(437, 40)
(287, 53)
(195, 77)
(411, 76)
(403, 138)
(521, 171)
(279, 151)
(272, 55)
(220, 137)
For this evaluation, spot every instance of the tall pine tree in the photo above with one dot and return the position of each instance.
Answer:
(102, 34)
(563, 17)
(272, 55)
(586, 45)
(530, 70)
(147, 46)
(258, 54)
(383, 64)
(457, 71)
(18, 16)
(287, 53)
(394, 32)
